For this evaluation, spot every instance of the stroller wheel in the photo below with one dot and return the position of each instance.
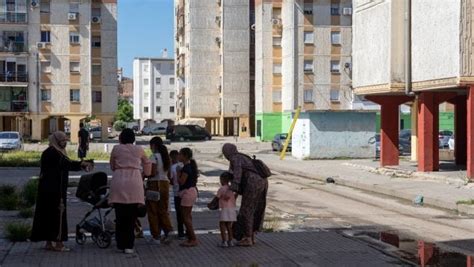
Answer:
(80, 238)
(103, 239)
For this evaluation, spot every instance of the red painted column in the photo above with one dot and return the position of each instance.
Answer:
(428, 143)
(389, 134)
(460, 130)
(470, 132)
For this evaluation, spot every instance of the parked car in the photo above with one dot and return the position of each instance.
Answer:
(95, 133)
(187, 132)
(154, 130)
(451, 142)
(278, 142)
(10, 141)
(443, 137)
(404, 143)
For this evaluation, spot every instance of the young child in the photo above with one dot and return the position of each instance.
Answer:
(227, 205)
(175, 170)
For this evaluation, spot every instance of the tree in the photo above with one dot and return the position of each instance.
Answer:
(125, 111)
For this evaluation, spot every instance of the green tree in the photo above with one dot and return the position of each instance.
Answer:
(125, 111)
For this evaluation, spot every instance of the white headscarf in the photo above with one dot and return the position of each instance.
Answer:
(54, 139)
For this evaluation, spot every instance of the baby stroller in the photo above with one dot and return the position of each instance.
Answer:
(93, 189)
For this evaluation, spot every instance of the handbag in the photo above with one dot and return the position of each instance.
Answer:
(214, 204)
(151, 195)
(141, 210)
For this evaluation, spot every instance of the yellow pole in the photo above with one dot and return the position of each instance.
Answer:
(290, 132)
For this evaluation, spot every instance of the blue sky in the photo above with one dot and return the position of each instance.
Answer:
(145, 27)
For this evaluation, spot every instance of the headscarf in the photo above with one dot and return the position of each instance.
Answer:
(54, 141)
(229, 150)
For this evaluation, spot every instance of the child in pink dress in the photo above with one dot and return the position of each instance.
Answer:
(227, 205)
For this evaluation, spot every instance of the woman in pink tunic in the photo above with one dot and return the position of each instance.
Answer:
(129, 165)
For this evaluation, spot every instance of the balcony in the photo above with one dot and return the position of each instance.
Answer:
(13, 77)
(13, 99)
(13, 42)
(13, 17)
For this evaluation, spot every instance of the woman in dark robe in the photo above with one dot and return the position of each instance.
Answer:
(50, 221)
(253, 188)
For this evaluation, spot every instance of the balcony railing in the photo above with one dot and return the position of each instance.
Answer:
(13, 17)
(11, 46)
(13, 99)
(14, 77)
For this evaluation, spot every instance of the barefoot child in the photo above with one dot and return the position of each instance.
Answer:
(227, 205)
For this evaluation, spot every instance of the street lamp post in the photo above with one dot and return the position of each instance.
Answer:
(236, 124)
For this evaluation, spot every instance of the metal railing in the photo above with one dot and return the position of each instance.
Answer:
(13, 17)
(18, 77)
(11, 46)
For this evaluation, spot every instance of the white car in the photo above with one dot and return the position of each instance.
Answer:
(10, 141)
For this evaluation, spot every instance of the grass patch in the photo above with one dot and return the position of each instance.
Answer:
(465, 202)
(9, 198)
(95, 155)
(20, 159)
(26, 213)
(17, 231)
(29, 192)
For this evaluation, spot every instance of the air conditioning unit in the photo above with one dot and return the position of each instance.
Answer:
(252, 27)
(218, 41)
(219, 88)
(96, 20)
(71, 16)
(41, 45)
(347, 11)
(276, 22)
(218, 20)
(34, 4)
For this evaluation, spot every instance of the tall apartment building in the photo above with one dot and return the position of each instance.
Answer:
(212, 63)
(58, 63)
(154, 93)
(303, 58)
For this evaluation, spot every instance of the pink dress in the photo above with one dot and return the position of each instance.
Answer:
(127, 162)
(227, 204)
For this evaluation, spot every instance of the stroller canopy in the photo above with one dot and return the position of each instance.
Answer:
(91, 186)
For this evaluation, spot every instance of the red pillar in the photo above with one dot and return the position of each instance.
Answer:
(470, 132)
(389, 152)
(428, 142)
(460, 130)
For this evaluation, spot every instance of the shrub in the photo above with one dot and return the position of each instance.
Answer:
(21, 159)
(119, 126)
(30, 190)
(7, 190)
(26, 213)
(9, 199)
(17, 231)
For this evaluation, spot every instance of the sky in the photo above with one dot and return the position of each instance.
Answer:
(145, 28)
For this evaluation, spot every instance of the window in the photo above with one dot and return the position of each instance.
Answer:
(96, 69)
(309, 37)
(46, 67)
(158, 95)
(45, 36)
(276, 96)
(335, 66)
(171, 109)
(158, 80)
(146, 67)
(171, 80)
(145, 81)
(74, 66)
(146, 96)
(73, 7)
(308, 95)
(95, 41)
(334, 9)
(74, 38)
(95, 12)
(44, 6)
(158, 67)
(158, 109)
(172, 95)
(276, 13)
(334, 95)
(46, 95)
(75, 95)
(308, 8)
(96, 96)
(276, 68)
(145, 109)
(171, 66)
(276, 41)
(336, 38)
(308, 66)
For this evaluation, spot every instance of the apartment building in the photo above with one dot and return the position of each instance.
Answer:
(58, 62)
(417, 52)
(303, 58)
(154, 93)
(212, 64)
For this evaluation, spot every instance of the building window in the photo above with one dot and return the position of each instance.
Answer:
(171, 81)
(308, 96)
(276, 13)
(158, 95)
(172, 95)
(335, 66)
(276, 41)
(45, 36)
(171, 109)
(158, 109)
(145, 109)
(45, 95)
(158, 67)
(74, 38)
(276, 96)
(44, 6)
(146, 96)
(74, 66)
(308, 66)
(145, 81)
(95, 12)
(309, 37)
(73, 7)
(75, 95)
(96, 69)
(95, 41)
(336, 38)
(158, 80)
(172, 67)
(334, 9)
(146, 67)
(308, 8)
(276, 68)
(46, 67)
(334, 95)
(96, 96)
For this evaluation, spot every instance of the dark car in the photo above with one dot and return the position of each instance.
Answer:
(278, 142)
(187, 133)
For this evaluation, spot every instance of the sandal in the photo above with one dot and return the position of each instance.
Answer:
(49, 247)
(189, 243)
(61, 249)
(245, 243)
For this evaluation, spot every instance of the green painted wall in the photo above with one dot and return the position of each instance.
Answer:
(272, 124)
(446, 121)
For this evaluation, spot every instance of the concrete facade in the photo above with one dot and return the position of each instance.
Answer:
(303, 57)
(71, 63)
(154, 95)
(213, 65)
(334, 134)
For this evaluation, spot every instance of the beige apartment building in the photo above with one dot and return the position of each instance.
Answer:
(58, 63)
(303, 58)
(212, 64)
